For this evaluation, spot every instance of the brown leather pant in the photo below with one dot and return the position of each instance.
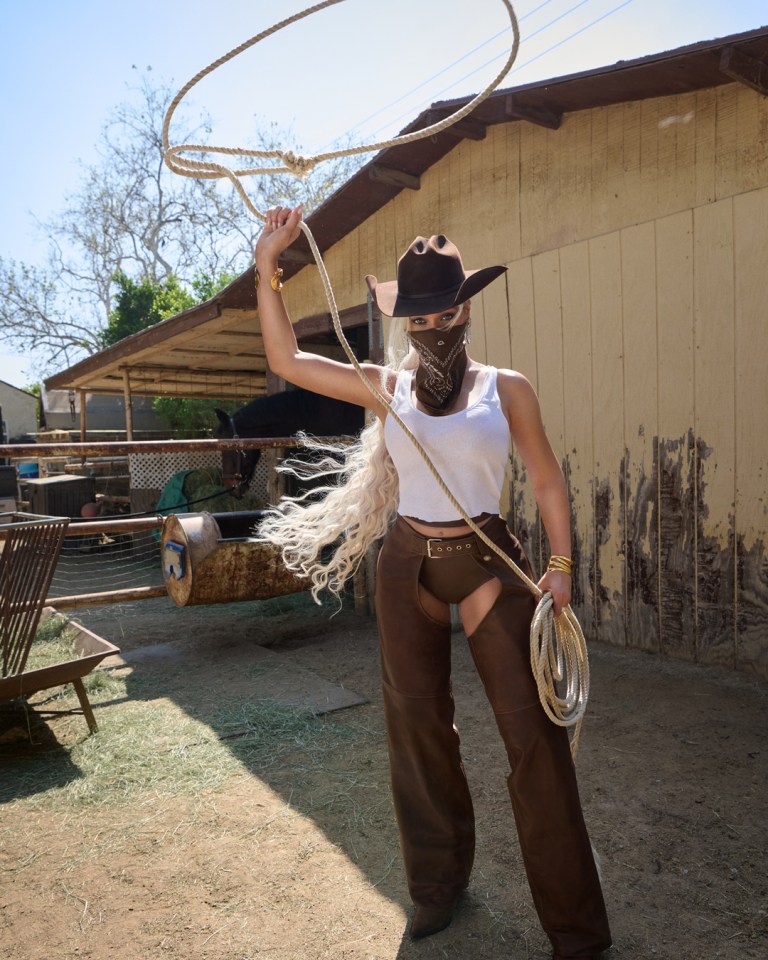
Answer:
(432, 801)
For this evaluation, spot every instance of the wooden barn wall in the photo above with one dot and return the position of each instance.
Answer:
(637, 243)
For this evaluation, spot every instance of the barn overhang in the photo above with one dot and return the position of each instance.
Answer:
(215, 349)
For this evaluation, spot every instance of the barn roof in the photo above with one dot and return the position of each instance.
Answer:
(215, 348)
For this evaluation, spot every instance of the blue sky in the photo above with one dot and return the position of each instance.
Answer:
(65, 65)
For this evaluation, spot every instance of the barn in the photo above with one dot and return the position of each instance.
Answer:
(630, 205)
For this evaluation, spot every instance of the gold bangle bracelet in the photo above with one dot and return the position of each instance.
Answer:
(561, 565)
(276, 280)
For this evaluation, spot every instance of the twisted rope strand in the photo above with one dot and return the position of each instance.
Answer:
(300, 166)
(558, 647)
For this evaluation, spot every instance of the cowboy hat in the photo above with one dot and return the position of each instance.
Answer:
(430, 278)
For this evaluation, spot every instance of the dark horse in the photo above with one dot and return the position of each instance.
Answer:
(282, 415)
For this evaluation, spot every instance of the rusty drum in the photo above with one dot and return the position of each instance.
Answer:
(201, 566)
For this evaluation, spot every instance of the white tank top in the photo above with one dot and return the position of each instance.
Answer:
(469, 448)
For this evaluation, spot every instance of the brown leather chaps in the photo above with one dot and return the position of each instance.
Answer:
(431, 798)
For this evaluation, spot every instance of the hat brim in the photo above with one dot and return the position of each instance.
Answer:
(392, 304)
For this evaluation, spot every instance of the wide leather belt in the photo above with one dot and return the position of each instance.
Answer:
(439, 548)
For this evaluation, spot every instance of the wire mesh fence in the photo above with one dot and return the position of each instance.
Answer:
(101, 486)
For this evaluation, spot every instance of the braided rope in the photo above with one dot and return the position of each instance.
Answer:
(558, 647)
(299, 166)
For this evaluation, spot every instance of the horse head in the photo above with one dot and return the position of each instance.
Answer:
(237, 466)
(282, 414)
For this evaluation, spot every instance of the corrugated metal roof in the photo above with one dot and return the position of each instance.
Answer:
(215, 349)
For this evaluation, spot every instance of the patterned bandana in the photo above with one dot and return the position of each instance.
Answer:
(442, 364)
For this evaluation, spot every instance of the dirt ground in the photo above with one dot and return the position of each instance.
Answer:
(297, 858)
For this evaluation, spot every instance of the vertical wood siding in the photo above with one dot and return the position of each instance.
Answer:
(637, 243)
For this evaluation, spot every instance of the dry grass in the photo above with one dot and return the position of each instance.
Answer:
(153, 747)
(53, 643)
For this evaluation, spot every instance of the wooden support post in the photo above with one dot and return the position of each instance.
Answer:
(128, 404)
(85, 703)
(83, 416)
(83, 420)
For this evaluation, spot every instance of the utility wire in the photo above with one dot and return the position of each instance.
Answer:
(409, 113)
(450, 66)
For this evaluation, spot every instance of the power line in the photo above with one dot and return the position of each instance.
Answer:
(605, 16)
(498, 56)
(515, 69)
(450, 66)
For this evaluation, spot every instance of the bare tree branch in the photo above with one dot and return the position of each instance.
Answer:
(130, 215)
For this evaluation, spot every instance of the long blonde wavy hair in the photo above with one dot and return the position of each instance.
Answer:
(356, 506)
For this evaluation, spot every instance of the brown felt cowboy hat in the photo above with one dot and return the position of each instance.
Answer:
(430, 278)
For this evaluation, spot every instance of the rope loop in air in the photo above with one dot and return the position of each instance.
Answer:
(178, 159)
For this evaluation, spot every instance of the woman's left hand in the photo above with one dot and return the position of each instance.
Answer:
(559, 585)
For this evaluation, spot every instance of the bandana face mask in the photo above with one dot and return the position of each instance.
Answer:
(442, 364)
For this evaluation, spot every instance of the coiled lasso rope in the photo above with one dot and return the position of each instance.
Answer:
(558, 647)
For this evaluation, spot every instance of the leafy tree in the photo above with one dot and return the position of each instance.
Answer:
(143, 303)
(131, 219)
(188, 417)
(205, 286)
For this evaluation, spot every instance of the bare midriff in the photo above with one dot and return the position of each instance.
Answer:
(448, 529)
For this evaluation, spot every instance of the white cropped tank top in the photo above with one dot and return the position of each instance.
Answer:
(469, 448)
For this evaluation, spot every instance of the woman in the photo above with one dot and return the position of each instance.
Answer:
(464, 414)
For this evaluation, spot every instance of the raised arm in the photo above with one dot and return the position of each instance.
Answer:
(524, 415)
(286, 359)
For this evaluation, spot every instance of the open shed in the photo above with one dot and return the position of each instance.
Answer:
(630, 205)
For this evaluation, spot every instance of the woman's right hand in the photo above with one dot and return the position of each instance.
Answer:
(281, 229)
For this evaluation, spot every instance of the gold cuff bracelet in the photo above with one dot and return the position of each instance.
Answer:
(276, 281)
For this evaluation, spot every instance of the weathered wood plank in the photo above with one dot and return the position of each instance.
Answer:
(642, 196)
(523, 514)
(549, 355)
(704, 163)
(577, 409)
(505, 142)
(625, 146)
(751, 125)
(538, 187)
(495, 312)
(727, 172)
(602, 192)
(638, 252)
(608, 569)
(676, 467)
(571, 150)
(715, 386)
(549, 344)
(498, 349)
(751, 264)
(677, 130)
